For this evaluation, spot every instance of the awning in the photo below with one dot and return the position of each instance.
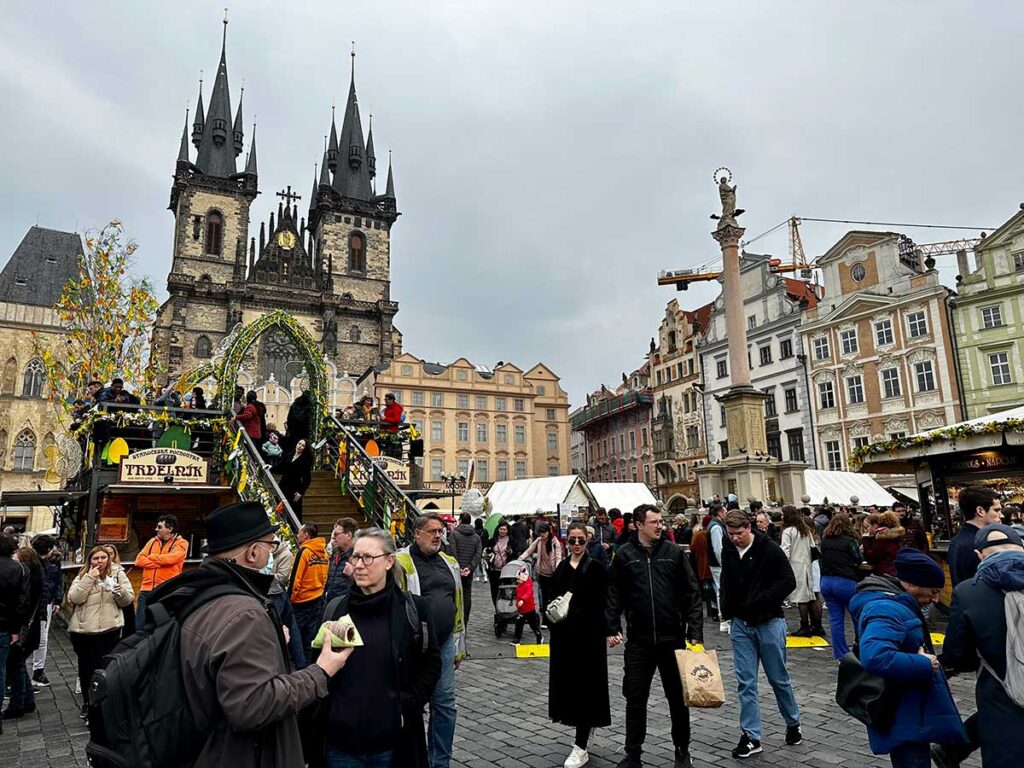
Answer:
(839, 487)
(907, 492)
(624, 497)
(38, 498)
(166, 488)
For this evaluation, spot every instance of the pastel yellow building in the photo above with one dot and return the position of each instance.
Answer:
(510, 423)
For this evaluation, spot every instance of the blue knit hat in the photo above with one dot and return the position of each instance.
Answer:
(915, 567)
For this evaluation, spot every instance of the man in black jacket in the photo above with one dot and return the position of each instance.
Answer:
(468, 550)
(979, 506)
(756, 578)
(652, 582)
(49, 604)
(14, 607)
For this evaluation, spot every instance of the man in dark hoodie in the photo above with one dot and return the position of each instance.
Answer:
(468, 550)
(979, 506)
(977, 637)
(756, 578)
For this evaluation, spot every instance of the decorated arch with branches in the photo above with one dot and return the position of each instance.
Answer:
(225, 366)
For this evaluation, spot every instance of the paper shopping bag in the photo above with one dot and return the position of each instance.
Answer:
(702, 679)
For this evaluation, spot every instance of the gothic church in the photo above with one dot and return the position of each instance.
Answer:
(329, 269)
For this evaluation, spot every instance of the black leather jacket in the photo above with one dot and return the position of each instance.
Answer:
(658, 592)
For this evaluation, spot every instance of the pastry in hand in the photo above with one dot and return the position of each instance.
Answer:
(343, 634)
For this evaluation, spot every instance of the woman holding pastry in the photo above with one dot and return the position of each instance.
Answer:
(374, 708)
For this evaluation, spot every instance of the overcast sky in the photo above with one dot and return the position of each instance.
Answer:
(550, 157)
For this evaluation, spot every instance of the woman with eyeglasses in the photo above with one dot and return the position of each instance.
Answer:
(374, 710)
(578, 672)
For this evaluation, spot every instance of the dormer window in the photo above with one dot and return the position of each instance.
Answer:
(20, 281)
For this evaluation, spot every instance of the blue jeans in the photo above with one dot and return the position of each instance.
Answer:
(336, 759)
(765, 643)
(838, 592)
(441, 730)
(22, 694)
(307, 619)
(284, 612)
(911, 756)
(140, 610)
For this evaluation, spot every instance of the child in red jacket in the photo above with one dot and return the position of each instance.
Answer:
(527, 607)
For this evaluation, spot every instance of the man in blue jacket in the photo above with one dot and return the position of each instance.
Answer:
(896, 646)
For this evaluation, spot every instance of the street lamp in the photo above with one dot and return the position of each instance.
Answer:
(452, 482)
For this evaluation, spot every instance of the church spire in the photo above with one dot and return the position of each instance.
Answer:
(352, 177)
(250, 164)
(371, 160)
(236, 131)
(216, 154)
(313, 194)
(197, 126)
(332, 146)
(389, 191)
(183, 149)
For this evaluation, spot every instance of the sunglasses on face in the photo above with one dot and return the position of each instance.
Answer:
(576, 540)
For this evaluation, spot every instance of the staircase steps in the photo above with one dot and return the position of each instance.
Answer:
(324, 503)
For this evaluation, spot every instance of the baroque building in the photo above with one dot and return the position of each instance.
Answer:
(989, 323)
(879, 346)
(512, 424)
(330, 268)
(31, 283)
(677, 426)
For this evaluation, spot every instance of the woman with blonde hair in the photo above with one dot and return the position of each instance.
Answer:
(797, 541)
(97, 596)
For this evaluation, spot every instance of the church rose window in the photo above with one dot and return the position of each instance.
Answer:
(214, 233)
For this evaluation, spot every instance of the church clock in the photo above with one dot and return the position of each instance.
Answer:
(286, 240)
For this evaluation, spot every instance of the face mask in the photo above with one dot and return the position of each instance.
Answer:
(268, 569)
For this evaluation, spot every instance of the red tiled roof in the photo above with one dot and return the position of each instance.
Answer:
(800, 289)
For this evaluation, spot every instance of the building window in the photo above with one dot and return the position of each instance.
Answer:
(657, 376)
(357, 252)
(826, 395)
(418, 425)
(897, 435)
(751, 322)
(791, 402)
(462, 374)
(795, 444)
(785, 349)
(462, 433)
(501, 434)
(482, 470)
(848, 340)
(721, 416)
(553, 470)
(671, 341)
(519, 404)
(860, 442)
(417, 397)
(550, 413)
(999, 363)
(436, 469)
(925, 376)
(481, 432)
(992, 317)
(633, 472)
(692, 438)
(520, 469)
(821, 348)
(622, 444)
(32, 380)
(25, 452)
(917, 326)
(541, 391)
(721, 369)
(1018, 261)
(462, 467)
(723, 448)
(770, 407)
(775, 445)
(552, 443)
(437, 399)
(891, 383)
(766, 355)
(203, 347)
(214, 233)
(858, 272)
(855, 389)
(883, 333)
(647, 474)
(10, 376)
(502, 470)
(643, 437)
(499, 403)
(833, 455)
(632, 441)
(462, 401)
(481, 402)
(520, 434)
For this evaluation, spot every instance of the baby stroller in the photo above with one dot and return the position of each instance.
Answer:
(505, 610)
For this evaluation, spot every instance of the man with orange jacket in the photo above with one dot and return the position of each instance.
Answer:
(161, 559)
(309, 575)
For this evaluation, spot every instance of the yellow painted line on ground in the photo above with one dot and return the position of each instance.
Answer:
(524, 651)
(806, 642)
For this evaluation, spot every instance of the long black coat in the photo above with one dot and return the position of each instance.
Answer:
(578, 671)
(977, 624)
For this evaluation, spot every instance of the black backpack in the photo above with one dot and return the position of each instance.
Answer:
(138, 712)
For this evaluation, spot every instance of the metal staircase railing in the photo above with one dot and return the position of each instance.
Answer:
(383, 502)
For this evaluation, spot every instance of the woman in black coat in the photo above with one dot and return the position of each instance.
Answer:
(296, 475)
(578, 681)
(22, 695)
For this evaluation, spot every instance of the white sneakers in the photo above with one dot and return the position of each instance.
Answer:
(723, 626)
(576, 758)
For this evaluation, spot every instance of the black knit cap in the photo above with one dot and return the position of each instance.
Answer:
(236, 524)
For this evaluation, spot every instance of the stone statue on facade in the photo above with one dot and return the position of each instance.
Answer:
(330, 338)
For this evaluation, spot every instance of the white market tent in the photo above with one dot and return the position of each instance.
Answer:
(838, 487)
(624, 497)
(511, 498)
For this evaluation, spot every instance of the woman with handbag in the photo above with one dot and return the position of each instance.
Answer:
(547, 550)
(501, 552)
(840, 556)
(578, 671)
(23, 699)
(97, 596)
(895, 646)
(797, 543)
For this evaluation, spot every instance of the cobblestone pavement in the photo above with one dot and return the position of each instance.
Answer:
(502, 718)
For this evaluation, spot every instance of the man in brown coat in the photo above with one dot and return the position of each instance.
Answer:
(238, 679)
